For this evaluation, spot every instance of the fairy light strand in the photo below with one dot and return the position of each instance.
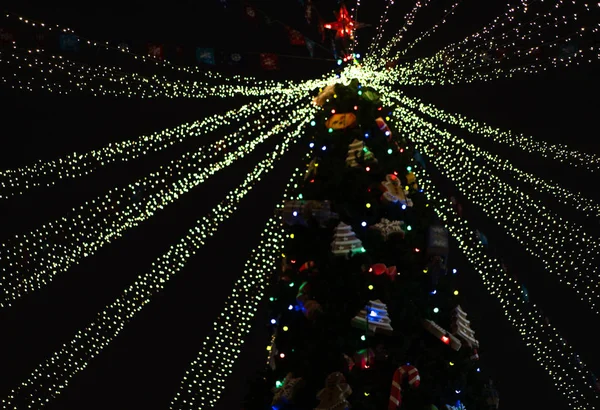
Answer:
(53, 375)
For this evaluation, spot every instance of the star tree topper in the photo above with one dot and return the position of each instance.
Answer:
(344, 26)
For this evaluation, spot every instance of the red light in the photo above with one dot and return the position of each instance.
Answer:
(417, 250)
(327, 25)
(446, 339)
(395, 172)
(401, 149)
(379, 109)
(282, 355)
(368, 169)
(312, 180)
(293, 261)
(355, 107)
(333, 111)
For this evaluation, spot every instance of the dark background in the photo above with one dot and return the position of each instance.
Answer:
(143, 367)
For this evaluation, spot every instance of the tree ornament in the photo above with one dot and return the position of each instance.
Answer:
(358, 153)
(341, 121)
(389, 229)
(492, 396)
(384, 128)
(334, 395)
(461, 327)
(345, 241)
(374, 319)
(394, 193)
(312, 169)
(411, 180)
(301, 211)
(364, 358)
(287, 392)
(442, 334)
(380, 268)
(324, 95)
(405, 372)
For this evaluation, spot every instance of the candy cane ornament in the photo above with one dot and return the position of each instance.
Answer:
(414, 380)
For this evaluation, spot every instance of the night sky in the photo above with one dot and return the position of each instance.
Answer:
(143, 367)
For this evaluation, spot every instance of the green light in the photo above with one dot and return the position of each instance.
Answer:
(363, 338)
(292, 285)
(409, 169)
(409, 228)
(330, 130)
(278, 384)
(313, 123)
(359, 92)
(390, 151)
(272, 299)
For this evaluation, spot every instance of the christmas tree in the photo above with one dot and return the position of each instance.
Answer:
(384, 263)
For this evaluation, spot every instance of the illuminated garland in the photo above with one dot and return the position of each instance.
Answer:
(409, 19)
(432, 30)
(561, 153)
(205, 379)
(53, 375)
(146, 58)
(108, 81)
(541, 233)
(504, 22)
(561, 195)
(380, 30)
(89, 229)
(549, 349)
(355, 34)
(16, 181)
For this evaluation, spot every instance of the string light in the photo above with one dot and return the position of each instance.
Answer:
(89, 229)
(380, 30)
(47, 173)
(53, 375)
(146, 58)
(560, 194)
(561, 153)
(447, 13)
(409, 20)
(549, 349)
(107, 81)
(563, 247)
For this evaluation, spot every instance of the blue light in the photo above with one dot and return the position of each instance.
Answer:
(312, 144)
(363, 224)
(433, 292)
(357, 55)
(290, 307)
(323, 147)
(273, 321)
(295, 213)
(454, 271)
(367, 135)
(313, 123)
(478, 370)
(403, 206)
(339, 62)
(457, 391)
